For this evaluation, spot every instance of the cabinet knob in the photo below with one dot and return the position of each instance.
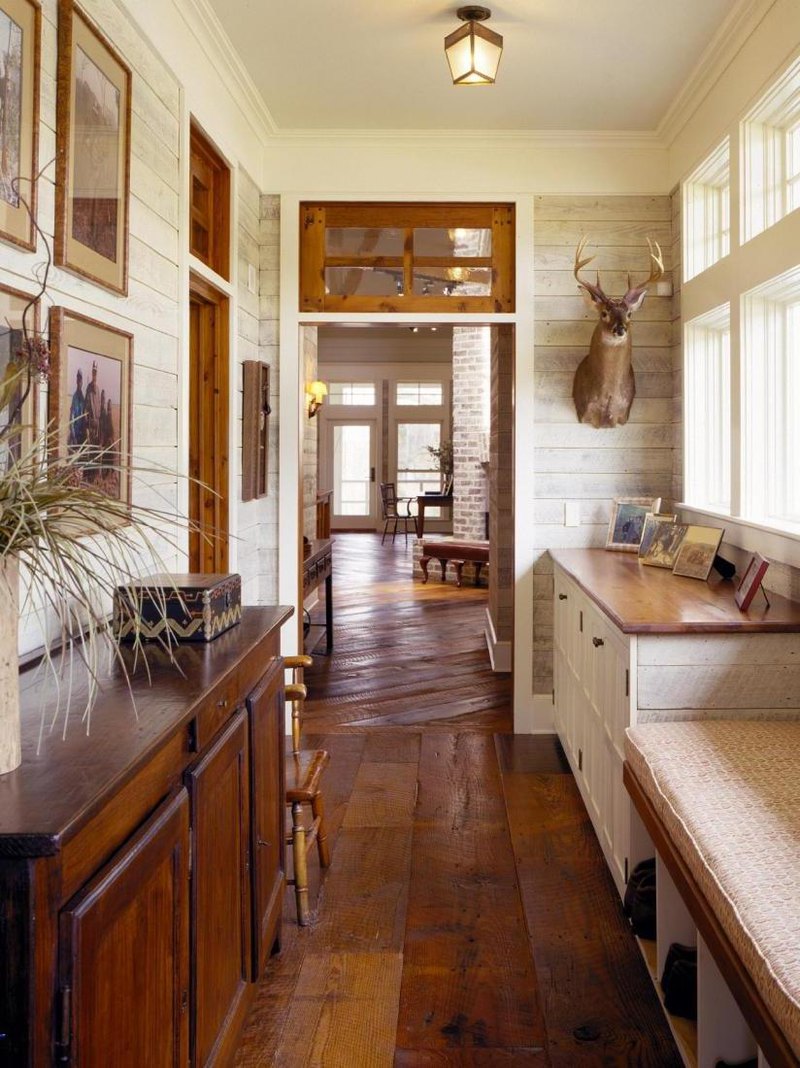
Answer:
(222, 703)
(562, 596)
(597, 642)
(261, 842)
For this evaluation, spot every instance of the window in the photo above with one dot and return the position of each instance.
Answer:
(352, 393)
(771, 400)
(417, 470)
(407, 257)
(419, 393)
(209, 236)
(771, 155)
(707, 389)
(706, 212)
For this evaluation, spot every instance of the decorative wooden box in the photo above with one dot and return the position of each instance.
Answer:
(198, 607)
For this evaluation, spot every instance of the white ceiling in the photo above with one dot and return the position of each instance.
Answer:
(380, 65)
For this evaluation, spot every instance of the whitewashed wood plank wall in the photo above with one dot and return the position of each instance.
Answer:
(576, 463)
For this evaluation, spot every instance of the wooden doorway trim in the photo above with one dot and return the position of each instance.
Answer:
(209, 420)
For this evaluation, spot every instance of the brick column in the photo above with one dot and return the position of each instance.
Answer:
(471, 386)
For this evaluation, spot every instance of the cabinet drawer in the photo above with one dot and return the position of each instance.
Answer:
(216, 710)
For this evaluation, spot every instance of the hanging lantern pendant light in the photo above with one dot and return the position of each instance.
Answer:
(473, 50)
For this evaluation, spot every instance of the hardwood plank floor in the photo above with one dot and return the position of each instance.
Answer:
(467, 917)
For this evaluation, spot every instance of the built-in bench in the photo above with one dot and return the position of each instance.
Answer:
(721, 802)
(458, 552)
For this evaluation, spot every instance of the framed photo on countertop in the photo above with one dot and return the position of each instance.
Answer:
(627, 522)
(750, 582)
(696, 554)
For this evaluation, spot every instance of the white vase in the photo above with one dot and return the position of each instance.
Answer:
(10, 732)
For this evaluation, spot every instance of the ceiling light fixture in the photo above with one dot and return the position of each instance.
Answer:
(473, 50)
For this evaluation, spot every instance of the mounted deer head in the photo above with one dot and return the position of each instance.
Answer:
(604, 385)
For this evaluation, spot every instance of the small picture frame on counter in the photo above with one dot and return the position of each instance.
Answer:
(661, 540)
(695, 557)
(751, 580)
(627, 522)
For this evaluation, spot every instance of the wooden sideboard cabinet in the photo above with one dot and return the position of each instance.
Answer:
(637, 644)
(142, 868)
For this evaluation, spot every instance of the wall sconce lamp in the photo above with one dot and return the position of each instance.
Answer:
(473, 51)
(317, 391)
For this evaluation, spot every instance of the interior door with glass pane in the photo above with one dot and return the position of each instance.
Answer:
(417, 469)
(352, 456)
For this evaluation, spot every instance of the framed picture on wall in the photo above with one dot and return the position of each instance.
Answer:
(90, 399)
(18, 395)
(20, 46)
(627, 522)
(93, 132)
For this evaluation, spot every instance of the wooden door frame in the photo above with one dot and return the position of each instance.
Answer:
(202, 293)
(531, 713)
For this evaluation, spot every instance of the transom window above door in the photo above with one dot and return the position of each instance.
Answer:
(407, 257)
(352, 393)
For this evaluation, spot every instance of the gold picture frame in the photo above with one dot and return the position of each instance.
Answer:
(93, 152)
(90, 398)
(20, 61)
(13, 305)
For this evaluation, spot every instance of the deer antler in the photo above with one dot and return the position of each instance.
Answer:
(656, 272)
(595, 290)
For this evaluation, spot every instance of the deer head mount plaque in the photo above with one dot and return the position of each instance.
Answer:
(604, 385)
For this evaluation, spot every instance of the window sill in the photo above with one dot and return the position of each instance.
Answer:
(779, 543)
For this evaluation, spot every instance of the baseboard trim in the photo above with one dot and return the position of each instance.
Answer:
(537, 718)
(500, 653)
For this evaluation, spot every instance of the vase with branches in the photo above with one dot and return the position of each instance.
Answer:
(68, 577)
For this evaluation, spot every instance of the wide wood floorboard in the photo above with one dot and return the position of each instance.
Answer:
(467, 917)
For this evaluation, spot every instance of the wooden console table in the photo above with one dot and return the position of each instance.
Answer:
(318, 568)
(430, 500)
(142, 867)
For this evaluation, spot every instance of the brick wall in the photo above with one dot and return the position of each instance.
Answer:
(471, 359)
(501, 484)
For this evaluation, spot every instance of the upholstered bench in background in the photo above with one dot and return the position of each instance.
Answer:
(458, 552)
(721, 802)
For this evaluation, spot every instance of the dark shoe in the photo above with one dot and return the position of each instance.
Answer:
(680, 989)
(751, 1063)
(640, 899)
(675, 953)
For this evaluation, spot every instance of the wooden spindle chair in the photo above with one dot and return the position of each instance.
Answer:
(304, 769)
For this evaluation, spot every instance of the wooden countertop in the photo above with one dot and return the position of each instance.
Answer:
(651, 600)
(58, 788)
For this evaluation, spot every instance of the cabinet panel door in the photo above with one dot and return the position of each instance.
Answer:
(220, 794)
(124, 956)
(266, 708)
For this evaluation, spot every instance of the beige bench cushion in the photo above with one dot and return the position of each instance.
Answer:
(728, 794)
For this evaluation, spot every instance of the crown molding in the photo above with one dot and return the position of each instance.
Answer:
(723, 48)
(202, 21)
(643, 140)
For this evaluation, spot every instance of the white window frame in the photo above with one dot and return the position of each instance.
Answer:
(707, 409)
(707, 212)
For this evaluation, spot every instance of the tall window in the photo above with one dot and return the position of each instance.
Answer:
(707, 388)
(210, 197)
(707, 212)
(771, 400)
(771, 156)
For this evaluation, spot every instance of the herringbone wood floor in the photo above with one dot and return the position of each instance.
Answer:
(468, 917)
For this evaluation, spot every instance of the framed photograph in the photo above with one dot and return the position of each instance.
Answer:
(90, 398)
(751, 581)
(15, 407)
(20, 47)
(627, 522)
(661, 540)
(93, 131)
(696, 554)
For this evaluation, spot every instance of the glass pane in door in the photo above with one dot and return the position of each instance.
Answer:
(417, 470)
(351, 470)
